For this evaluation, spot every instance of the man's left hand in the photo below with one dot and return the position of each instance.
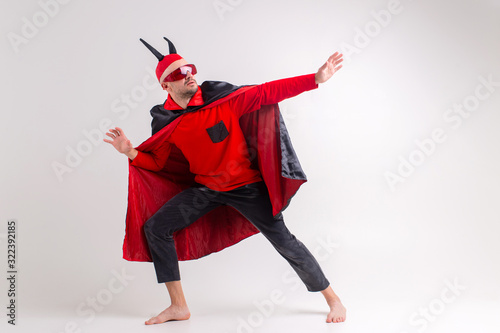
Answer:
(329, 68)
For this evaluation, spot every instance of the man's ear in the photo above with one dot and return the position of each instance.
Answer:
(165, 86)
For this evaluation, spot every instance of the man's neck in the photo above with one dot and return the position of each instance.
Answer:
(182, 102)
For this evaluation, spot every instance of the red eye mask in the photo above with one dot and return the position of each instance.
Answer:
(180, 73)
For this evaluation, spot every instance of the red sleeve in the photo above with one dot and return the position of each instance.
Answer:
(272, 92)
(154, 160)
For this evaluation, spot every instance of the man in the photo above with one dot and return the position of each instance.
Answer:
(211, 160)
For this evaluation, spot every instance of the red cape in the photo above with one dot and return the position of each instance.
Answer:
(268, 142)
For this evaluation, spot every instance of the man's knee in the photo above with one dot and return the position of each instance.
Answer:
(149, 227)
(289, 246)
(155, 227)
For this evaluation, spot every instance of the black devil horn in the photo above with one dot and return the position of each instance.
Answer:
(171, 46)
(152, 49)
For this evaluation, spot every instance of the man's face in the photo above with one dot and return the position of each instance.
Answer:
(184, 88)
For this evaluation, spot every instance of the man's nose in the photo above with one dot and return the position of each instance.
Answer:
(189, 75)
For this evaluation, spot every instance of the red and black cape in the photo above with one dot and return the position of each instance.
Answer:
(273, 155)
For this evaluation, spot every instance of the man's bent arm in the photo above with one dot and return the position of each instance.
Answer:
(154, 160)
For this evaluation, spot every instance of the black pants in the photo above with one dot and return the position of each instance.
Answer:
(253, 202)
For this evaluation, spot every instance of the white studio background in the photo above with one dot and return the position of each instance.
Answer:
(400, 148)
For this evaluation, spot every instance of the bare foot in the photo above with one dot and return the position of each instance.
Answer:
(173, 312)
(337, 311)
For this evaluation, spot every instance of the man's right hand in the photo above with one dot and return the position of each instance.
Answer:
(331, 66)
(121, 143)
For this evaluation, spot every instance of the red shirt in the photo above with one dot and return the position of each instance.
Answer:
(211, 139)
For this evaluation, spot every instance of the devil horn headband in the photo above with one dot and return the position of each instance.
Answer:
(163, 60)
(157, 54)
(171, 47)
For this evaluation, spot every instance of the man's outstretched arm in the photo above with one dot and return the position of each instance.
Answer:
(275, 91)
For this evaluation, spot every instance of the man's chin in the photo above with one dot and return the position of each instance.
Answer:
(192, 87)
(190, 90)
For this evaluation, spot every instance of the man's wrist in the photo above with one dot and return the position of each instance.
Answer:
(132, 153)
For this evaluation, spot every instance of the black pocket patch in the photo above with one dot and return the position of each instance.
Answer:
(218, 132)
